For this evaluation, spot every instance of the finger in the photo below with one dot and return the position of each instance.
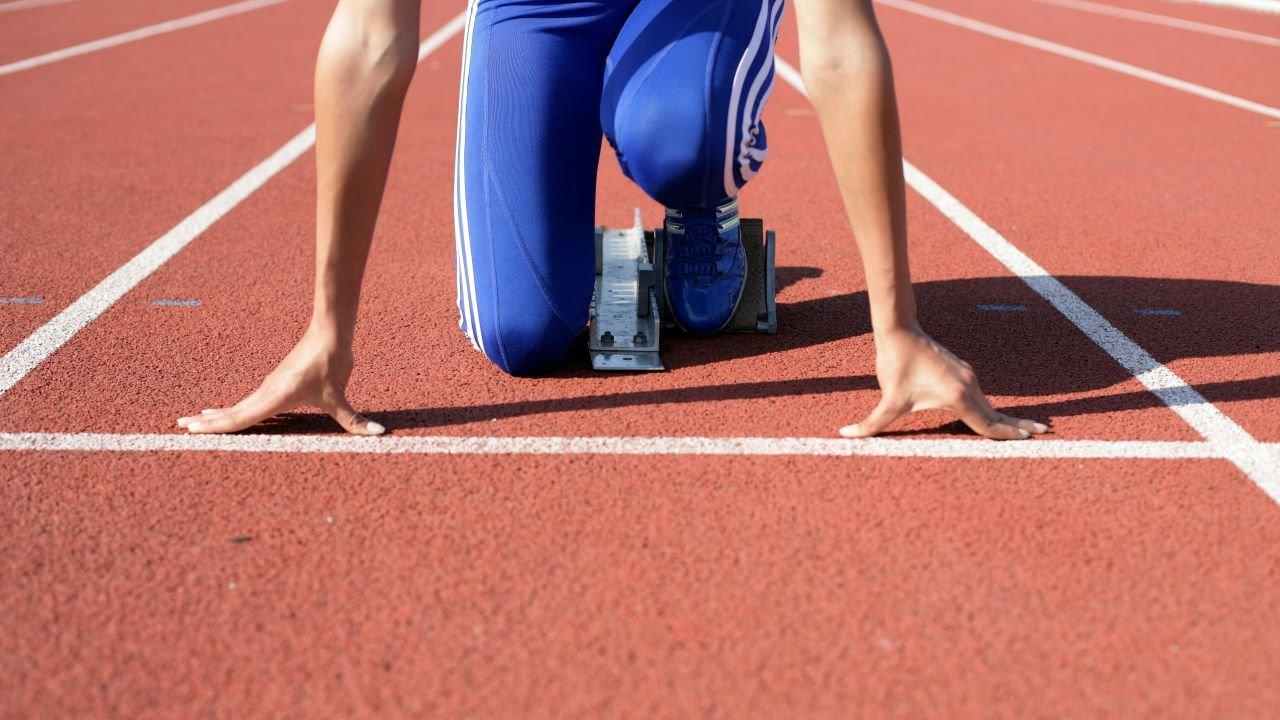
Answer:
(256, 399)
(246, 413)
(1031, 426)
(988, 426)
(208, 413)
(204, 415)
(980, 399)
(352, 421)
(880, 417)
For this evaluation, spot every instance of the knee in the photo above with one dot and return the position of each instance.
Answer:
(528, 345)
(668, 149)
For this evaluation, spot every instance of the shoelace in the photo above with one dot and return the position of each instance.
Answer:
(702, 247)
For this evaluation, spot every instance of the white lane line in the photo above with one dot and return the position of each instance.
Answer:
(498, 445)
(1235, 443)
(1165, 20)
(46, 340)
(24, 4)
(1085, 57)
(1267, 6)
(134, 35)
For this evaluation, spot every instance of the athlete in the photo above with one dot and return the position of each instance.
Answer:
(677, 87)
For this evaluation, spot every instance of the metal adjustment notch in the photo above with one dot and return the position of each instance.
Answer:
(625, 323)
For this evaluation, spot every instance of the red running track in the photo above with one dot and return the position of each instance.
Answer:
(1182, 212)
(1240, 68)
(112, 149)
(735, 589)
(31, 31)
(589, 585)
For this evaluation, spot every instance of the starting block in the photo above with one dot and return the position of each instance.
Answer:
(628, 310)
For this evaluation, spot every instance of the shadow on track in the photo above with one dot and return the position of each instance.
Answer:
(1023, 347)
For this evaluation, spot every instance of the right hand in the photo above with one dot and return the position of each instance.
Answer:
(918, 373)
(314, 373)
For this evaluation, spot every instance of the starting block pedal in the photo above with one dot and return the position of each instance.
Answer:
(628, 311)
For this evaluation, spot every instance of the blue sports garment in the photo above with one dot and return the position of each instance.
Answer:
(678, 88)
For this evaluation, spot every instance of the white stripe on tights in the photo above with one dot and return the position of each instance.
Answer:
(464, 320)
(462, 230)
(739, 79)
(754, 106)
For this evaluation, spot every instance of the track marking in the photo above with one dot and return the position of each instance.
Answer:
(46, 340)
(134, 35)
(995, 308)
(1156, 312)
(1154, 19)
(165, 302)
(24, 4)
(20, 361)
(502, 445)
(1085, 57)
(1235, 443)
(1266, 6)
(21, 300)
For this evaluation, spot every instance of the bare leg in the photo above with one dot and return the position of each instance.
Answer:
(366, 61)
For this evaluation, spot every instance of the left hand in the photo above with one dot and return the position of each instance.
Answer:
(314, 373)
(917, 373)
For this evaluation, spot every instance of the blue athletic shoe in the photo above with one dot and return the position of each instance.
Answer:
(705, 267)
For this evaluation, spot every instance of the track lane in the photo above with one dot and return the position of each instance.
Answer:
(1266, 7)
(873, 584)
(51, 336)
(110, 159)
(1182, 211)
(8, 6)
(1221, 15)
(1243, 69)
(1162, 20)
(555, 586)
(40, 30)
(813, 378)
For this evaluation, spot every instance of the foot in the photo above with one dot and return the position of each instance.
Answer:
(705, 266)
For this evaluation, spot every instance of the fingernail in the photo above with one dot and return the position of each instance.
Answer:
(850, 431)
(1024, 433)
(374, 428)
(195, 427)
(1041, 427)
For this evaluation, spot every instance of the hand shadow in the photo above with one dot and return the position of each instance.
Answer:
(1018, 344)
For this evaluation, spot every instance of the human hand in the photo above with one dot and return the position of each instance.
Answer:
(917, 373)
(314, 373)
